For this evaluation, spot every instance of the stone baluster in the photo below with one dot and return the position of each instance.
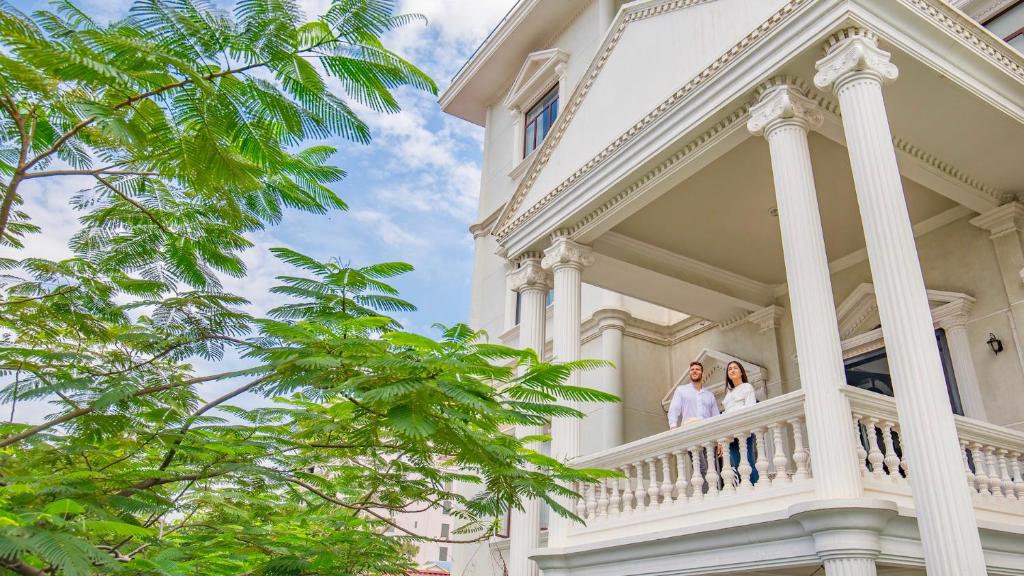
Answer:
(641, 488)
(1018, 479)
(728, 472)
(712, 476)
(615, 500)
(602, 499)
(627, 492)
(653, 489)
(780, 461)
(591, 501)
(666, 479)
(744, 467)
(967, 468)
(697, 480)
(581, 502)
(862, 453)
(980, 469)
(891, 460)
(1004, 473)
(681, 496)
(904, 465)
(875, 455)
(801, 456)
(995, 483)
(762, 459)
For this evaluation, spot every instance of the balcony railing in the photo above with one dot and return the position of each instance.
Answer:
(682, 478)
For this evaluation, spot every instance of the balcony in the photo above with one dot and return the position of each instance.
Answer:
(669, 486)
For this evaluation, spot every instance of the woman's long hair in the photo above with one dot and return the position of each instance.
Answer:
(743, 375)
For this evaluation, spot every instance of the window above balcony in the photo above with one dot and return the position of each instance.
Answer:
(534, 101)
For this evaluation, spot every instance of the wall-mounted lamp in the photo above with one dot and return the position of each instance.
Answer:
(994, 343)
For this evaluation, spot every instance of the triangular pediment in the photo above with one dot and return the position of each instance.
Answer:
(538, 74)
(714, 362)
(858, 312)
(653, 49)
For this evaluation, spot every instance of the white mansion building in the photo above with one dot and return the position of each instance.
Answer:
(830, 192)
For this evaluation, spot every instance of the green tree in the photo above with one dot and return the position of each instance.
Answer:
(189, 122)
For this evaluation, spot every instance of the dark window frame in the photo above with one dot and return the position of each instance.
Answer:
(540, 117)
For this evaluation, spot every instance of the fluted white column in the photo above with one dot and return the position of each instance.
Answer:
(566, 260)
(784, 115)
(611, 323)
(955, 325)
(532, 284)
(855, 68)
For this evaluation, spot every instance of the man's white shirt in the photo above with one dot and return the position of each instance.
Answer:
(688, 403)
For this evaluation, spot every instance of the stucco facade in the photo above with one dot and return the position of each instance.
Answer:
(798, 185)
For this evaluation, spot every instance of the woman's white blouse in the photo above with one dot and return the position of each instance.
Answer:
(739, 397)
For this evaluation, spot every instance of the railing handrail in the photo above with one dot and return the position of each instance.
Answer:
(711, 430)
(968, 429)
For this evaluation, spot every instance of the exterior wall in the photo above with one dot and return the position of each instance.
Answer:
(428, 523)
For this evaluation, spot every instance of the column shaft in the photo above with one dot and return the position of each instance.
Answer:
(949, 532)
(785, 115)
(611, 350)
(530, 281)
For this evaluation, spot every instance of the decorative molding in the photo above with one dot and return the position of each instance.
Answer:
(981, 10)
(653, 176)
(505, 227)
(485, 226)
(949, 170)
(1003, 220)
(768, 318)
(985, 44)
(565, 253)
(779, 103)
(852, 52)
(529, 275)
(950, 309)
(539, 73)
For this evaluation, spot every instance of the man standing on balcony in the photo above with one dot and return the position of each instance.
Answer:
(691, 402)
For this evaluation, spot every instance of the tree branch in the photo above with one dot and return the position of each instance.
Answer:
(99, 171)
(153, 482)
(67, 417)
(21, 567)
(152, 217)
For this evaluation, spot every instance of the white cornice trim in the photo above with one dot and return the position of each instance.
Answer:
(1003, 220)
(484, 227)
(981, 10)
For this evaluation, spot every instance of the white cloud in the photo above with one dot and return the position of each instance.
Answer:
(387, 230)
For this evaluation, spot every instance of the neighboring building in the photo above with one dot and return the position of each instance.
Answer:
(433, 522)
(728, 179)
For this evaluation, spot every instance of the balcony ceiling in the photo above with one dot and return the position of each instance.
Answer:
(722, 215)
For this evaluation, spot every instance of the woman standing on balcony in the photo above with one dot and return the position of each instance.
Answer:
(739, 395)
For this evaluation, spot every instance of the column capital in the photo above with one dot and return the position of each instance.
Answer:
(768, 318)
(998, 221)
(566, 253)
(611, 319)
(850, 53)
(783, 104)
(954, 314)
(529, 275)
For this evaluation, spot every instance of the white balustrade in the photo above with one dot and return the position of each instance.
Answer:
(992, 455)
(693, 465)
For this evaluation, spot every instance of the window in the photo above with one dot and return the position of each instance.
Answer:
(444, 530)
(1009, 25)
(442, 554)
(446, 507)
(539, 120)
(870, 371)
(550, 299)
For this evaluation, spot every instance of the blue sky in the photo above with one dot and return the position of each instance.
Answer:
(412, 192)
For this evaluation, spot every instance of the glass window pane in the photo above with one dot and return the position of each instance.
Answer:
(539, 120)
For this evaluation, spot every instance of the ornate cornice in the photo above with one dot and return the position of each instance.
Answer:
(783, 103)
(565, 253)
(484, 227)
(506, 227)
(530, 276)
(853, 51)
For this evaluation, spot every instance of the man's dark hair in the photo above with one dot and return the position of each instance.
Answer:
(695, 363)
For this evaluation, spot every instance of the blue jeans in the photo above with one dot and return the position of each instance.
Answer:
(734, 457)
